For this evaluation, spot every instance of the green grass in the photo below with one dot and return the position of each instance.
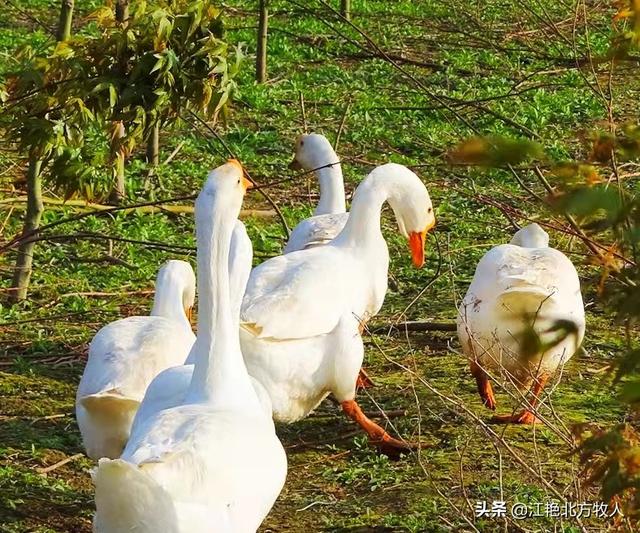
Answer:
(518, 78)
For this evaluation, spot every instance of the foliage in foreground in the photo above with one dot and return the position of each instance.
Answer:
(113, 85)
(167, 58)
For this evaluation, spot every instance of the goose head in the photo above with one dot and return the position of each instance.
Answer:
(227, 181)
(411, 204)
(531, 236)
(175, 275)
(313, 150)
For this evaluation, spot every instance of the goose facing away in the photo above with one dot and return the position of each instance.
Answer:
(169, 388)
(302, 311)
(214, 462)
(126, 355)
(518, 287)
(314, 151)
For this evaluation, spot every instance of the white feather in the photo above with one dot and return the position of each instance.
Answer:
(302, 311)
(214, 462)
(125, 356)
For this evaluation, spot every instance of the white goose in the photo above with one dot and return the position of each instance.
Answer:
(301, 313)
(213, 463)
(524, 284)
(169, 388)
(126, 355)
(314, 151)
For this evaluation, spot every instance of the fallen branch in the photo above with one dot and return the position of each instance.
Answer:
(44, 471)
(98, 294)
(394, 413)
(79, 216)
(416, 325)
(174, 248)
(21, 202)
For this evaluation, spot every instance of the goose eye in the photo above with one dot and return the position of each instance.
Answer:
(301, 143)
(238, 181)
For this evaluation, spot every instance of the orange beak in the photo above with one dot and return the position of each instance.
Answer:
(416, 243)
(246, 183)
(189, 312)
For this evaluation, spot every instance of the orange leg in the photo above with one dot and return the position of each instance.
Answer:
(484, 386)
(527, 416)
(377, 436)
(364, 381)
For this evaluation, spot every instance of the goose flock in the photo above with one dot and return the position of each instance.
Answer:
(182, 425)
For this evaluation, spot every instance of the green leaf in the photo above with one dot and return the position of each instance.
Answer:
(159, 64)
(113, 96)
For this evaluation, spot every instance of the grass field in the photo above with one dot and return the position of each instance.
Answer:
(452, 69)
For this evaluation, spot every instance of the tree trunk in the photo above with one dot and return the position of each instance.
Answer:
(345, 9)
(22, 272)
(117, 160)
(35, 207)
(122, 11)
(153, 146)
(261, 51)
(64, 22)
(118, 191)
(153, 155)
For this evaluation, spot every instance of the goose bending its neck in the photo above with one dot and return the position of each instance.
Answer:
(220, 377)
(302, 312)
(400, 187)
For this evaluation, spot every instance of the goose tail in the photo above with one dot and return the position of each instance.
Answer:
(105, 421)
(129, 499)
(524, 301)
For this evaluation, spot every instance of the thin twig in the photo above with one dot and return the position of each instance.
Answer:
(19, 238)
(44, 471)
(415, 325)
(174, 153)
(303, 112)
(341, 127)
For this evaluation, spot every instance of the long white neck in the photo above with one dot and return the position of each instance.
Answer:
(168, 302)
(363, 224)
(240, 257)
(331, 190)
(220, 376)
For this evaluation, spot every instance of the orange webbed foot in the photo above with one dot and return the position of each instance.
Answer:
(488, 398)
(378, 437)
(391, 447)
(525, 417)
(485, 390)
